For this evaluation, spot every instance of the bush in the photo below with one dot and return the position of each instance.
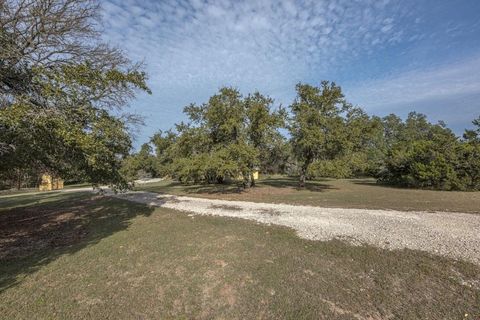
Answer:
(337, 168)
(425, 164)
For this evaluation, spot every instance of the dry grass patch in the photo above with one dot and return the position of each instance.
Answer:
(136, 262)
(340, 193)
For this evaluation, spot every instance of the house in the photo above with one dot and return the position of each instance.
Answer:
(254, 175)
(50, 183)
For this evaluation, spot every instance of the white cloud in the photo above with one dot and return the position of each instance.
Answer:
(386, 28)
(192, 47)
(417, 86)
(187, 43)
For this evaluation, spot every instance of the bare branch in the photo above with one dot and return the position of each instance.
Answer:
(53, 33)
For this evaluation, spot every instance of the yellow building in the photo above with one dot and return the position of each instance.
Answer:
(50, 183)
(255, 176)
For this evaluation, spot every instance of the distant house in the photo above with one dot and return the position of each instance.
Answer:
(50, 183)
(254, 175)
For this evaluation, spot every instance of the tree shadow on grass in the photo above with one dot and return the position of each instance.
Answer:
(224, 188)
(26, 200)
(291, 182)
(235, 188)
(375, 183)
(41, 228)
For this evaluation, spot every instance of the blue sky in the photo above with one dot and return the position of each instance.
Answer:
(389, 56)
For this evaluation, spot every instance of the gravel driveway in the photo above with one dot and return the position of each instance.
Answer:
(455, 235)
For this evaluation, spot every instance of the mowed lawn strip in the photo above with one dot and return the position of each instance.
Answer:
(339, 193)
(71, 256)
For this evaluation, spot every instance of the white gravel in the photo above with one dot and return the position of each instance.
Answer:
(148, 180)
(455, 235)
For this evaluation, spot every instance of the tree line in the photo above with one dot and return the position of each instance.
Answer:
(63, 93)
(232, 136)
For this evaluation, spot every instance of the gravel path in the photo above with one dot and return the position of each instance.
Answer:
(455, 235)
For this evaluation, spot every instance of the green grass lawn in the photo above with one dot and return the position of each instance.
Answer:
(344, 193)
(8, 192)
(25, 191)
(75, 256)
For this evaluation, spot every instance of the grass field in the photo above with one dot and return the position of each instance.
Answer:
(72, 256)
(14, 192)
(346, 193)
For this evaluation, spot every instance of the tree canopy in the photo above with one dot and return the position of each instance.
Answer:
(59, 86)
(428, 155)
(329, 136)
(230, 136)
(226, 137)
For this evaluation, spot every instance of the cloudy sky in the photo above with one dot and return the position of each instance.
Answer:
(388, 55)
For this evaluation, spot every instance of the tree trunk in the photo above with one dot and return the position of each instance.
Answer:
(303, 176)
(252, 180)
(302, 180)
(247, 183)
(19, 180)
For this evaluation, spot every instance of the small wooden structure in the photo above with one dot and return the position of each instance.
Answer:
(254, 175)
(50, 183)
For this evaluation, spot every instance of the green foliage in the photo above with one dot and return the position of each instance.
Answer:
(227, 137)
(87, 143)
(430, 156)
(420, 164)
(140, 165)
(57, 94)
(329, 137)
(163, 144)
(336, 168)
(75, 135)
(216, 166)
(468, 168)
(317, 125)
(364, 147)
(230, 136)
(276, 156)
(262, 132)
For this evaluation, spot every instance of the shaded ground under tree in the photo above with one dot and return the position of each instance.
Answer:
(40, 228)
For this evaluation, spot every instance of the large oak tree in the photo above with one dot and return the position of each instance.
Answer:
(59, 86)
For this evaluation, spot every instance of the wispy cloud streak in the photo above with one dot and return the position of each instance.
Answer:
(416, 86)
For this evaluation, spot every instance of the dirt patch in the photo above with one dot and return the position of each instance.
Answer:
(227, 292)
(29, 229)
(341, 311)
(220, 263)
